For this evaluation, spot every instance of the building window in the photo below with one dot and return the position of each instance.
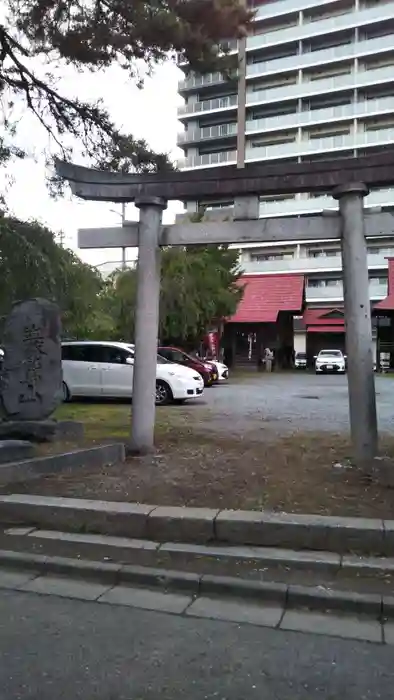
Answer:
(271, 256)
(319, 283)
(273, 141)
(277, 197)
(323, 253)
(378, 280)
(208, 206)
(333, 283)
(371, 250)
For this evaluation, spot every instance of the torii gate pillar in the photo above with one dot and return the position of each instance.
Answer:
(146, 324)
(361, 382)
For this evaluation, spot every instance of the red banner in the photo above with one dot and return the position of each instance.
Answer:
(211, 340)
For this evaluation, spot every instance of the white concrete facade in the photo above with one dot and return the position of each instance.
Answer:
(319, 84)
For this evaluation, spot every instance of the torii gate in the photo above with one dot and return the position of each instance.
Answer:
(347, 179)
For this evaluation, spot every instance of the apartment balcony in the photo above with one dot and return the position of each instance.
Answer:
(320, 87)
(208, 159)
(287, 6)
(196, 81)
(208, 133)
(335, 53)
(328, 263)
(322, 116)
(323, 145)
(315, 205)
(321, 27)
(335, 293)
(218, 104)
(287, 121)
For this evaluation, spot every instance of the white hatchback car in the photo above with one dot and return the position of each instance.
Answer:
(330, 361)
(105, 369)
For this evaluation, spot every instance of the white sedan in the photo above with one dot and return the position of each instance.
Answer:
(330, 361)
(105, 369)
(222, 369)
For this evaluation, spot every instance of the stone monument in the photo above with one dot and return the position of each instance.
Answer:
(31, 376)
(32, 369)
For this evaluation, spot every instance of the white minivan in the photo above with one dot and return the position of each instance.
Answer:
(105, 369)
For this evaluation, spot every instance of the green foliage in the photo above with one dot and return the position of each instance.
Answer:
(32, 264)
(198, 288)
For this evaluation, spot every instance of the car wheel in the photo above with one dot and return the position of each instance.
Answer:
(163, 393)
(66, 396)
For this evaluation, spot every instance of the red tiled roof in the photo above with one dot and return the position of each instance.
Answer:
(266, 295)
(318, 317)
(326, 329)
(387, 304)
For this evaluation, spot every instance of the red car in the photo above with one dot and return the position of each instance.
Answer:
(208, 373)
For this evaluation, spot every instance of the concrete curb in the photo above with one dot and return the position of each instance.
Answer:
(288, 596)
(28, 469)
(198, 525)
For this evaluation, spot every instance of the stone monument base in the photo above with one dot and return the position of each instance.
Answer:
(41, 430)
(15, 450)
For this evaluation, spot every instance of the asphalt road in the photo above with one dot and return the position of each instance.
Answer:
(288, 402)
(56, 648)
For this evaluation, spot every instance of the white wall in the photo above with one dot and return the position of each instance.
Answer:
(374, 349)
(300, 342)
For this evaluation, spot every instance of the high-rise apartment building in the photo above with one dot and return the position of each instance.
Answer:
(315, 81)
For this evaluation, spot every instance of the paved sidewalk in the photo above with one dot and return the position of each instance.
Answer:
(353, 618)
(73, 650)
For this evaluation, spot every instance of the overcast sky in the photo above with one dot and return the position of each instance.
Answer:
(150, 113)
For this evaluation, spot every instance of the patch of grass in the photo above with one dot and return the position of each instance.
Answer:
(101, 421)
(300, 472)
(105, 421)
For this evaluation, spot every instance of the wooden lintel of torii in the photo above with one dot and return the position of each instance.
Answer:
(236, 232)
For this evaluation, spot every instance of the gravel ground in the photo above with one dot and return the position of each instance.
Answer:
(279, 442)
(287, 402)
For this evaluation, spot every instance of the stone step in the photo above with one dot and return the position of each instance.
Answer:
(204, 595)
(200, 525)
(290, 567)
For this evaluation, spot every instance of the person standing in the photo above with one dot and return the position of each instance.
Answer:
(268, 357)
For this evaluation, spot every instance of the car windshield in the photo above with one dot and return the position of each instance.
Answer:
(159, 359)
(163, 361)
(186, 356)
(330, 353)
(301, 355)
